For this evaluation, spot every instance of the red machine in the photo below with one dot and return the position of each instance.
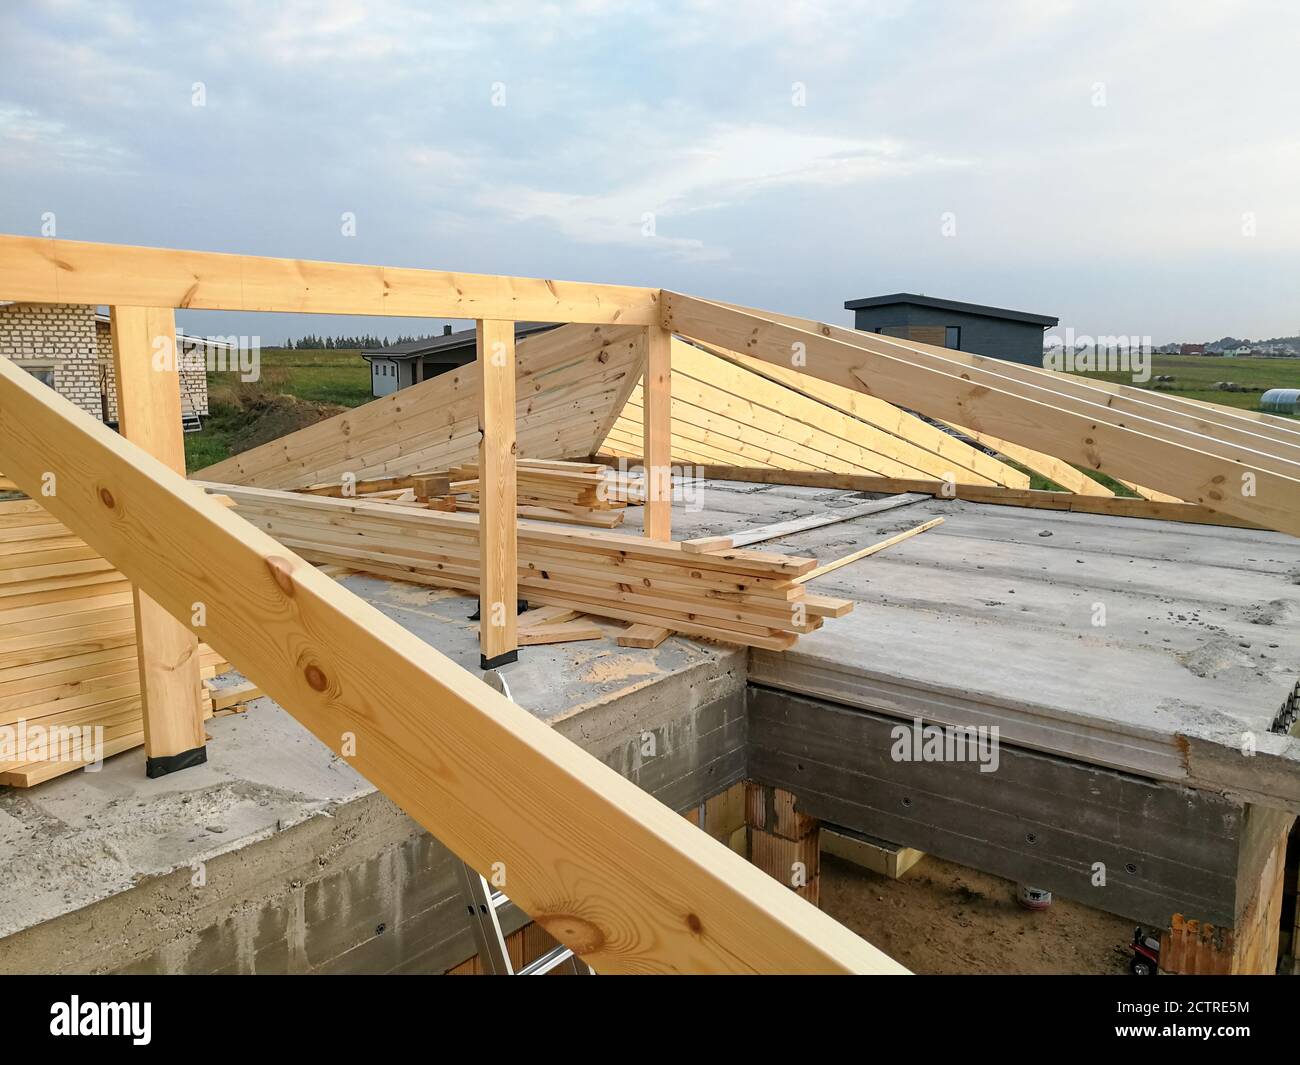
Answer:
(1146, 954)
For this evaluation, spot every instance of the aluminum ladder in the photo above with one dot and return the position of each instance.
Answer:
(484, 903)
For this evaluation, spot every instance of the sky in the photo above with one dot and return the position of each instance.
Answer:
(1133, 168)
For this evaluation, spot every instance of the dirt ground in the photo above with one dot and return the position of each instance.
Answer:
(945, 918)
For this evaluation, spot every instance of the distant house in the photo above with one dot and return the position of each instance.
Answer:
(1191, 349)
(1013, 335)
(70, 348)
(402, 365)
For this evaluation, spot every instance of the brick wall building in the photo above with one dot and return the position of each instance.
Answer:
(194, 372)
(57, 343)
(70, 348)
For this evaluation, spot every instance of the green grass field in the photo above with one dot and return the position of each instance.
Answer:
(340, 378)
(1195, 377)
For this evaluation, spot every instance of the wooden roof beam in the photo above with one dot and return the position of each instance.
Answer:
(600, 864)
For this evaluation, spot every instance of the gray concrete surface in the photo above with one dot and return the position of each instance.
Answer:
(73, 846)
(982, 620)
(989, 619)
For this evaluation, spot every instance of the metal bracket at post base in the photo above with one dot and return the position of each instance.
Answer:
(161, 765)
(503, 659)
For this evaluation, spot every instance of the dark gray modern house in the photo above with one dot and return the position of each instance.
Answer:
(1013, 335)
(402, 365)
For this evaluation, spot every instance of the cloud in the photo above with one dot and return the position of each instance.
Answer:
(32, 142)
(622, 112)
(724, 169)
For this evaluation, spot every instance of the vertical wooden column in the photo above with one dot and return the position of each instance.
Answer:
(146, 362)
(498, 497)
(656, 450)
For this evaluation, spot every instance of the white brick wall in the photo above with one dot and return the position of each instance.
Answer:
(59, 336)
(194, 376)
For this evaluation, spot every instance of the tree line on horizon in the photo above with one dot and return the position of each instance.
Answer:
(314, 342)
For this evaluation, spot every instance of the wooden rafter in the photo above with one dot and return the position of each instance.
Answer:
(1232, 425)
(1048, 466)
(570, 382)
(600, 864)
(1154, 510)
(915, 442)
(40, 270)
(1260, 486)
(749, 413)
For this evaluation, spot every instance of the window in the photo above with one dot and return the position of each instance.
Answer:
(45, 375)
(952, 337)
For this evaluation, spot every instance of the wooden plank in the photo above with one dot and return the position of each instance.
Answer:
(723, 384)
(706, 595)
(146, 362)
(831, 567)
(1215, 473)
(619, 545)
(1010, 497)
(546, 615)
(1056, 471)
(499, 550)
(34, 773)
(946, 453)
(596, 861)
(1149, 493)
(647, 636)
(712, 544)
(236, 693)
(41, 270)
(605, 519)
(568, 381)
(1250, 429)
(657, 433)
(571, 632)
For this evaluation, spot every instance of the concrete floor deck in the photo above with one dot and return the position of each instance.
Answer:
(987, 619)
(1143, 645)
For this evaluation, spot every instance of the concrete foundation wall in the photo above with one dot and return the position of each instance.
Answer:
(364, 889)
(1037, 819)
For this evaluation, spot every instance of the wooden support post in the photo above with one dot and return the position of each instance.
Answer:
(498, 497)
(656, 451)
(145, 359)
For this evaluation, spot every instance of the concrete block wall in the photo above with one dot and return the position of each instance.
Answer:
(59, 337)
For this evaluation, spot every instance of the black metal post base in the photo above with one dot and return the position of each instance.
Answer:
(174, 763)
(503, 659)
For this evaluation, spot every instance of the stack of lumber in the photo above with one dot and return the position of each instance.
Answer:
(577, 493)
(750, 598)
(67, 643)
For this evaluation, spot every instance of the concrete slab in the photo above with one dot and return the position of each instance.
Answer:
(1122, 642)
(85, 837)
(983, 620)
